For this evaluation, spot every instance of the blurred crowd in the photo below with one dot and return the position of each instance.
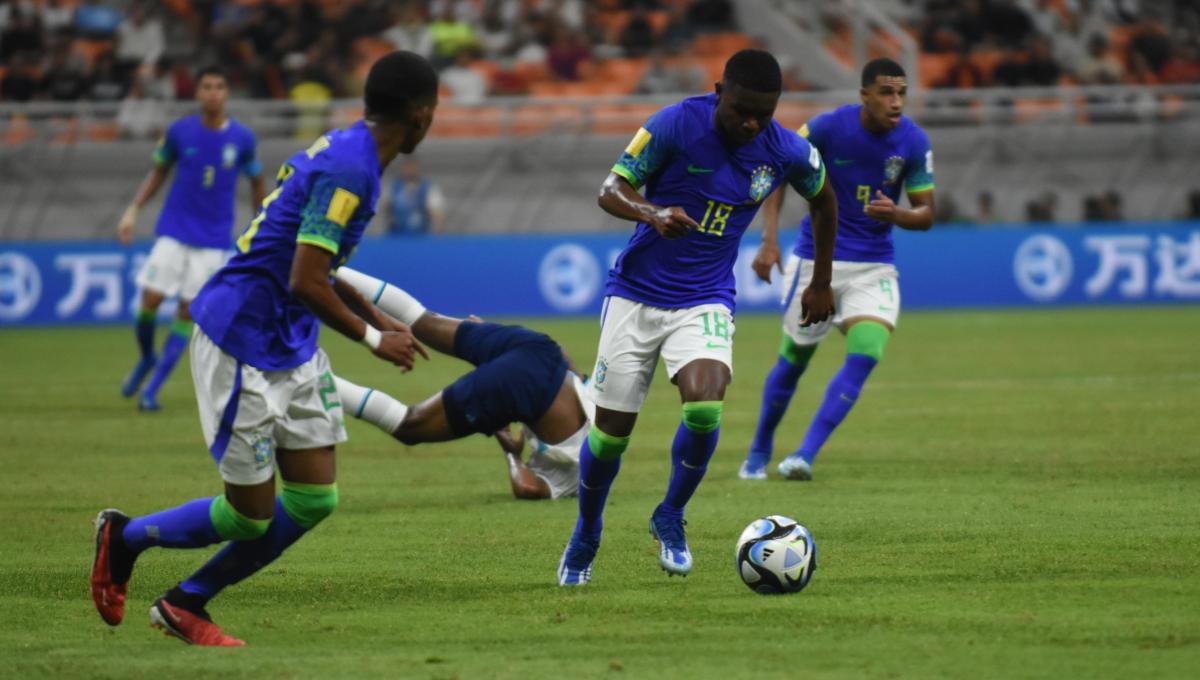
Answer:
(306, 50)
(1102, 207)
(1012, 43)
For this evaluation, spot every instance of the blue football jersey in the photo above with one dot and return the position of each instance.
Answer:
(199, 207)
(325, 197)
(860, 163)
(683, 161)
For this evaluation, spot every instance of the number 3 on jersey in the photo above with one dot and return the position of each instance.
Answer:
(718, 212)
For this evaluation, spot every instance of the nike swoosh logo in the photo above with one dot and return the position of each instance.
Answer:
(716, 345)
(698, 170)
(886, 309)
(842, 161)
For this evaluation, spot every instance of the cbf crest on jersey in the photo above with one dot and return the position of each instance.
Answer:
(761, 181)
(229, 155)
(892, 169)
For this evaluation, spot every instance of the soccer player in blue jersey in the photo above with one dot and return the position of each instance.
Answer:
(265, 389)
(208, 150)
(706, 163)
(520, 376)
(871, 151)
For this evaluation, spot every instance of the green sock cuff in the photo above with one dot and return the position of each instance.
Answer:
(702, 416)
(868, 338)
(147, 316)
(232, 525)
(605, 446)
(797, 355)
(182, 328)
(308, 504)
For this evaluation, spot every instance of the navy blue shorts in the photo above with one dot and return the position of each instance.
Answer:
(518, 374)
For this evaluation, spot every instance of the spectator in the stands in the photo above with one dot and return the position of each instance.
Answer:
(1041, 69)
(96, 20)
(1042, 208)
(711, 15)
(23, 34)
(495, 36)
(108, 85)
(66, 77)
(409, 31)
(637, 38)
(1101, 67)
(1183, 67)
(450, 36)
(568, 50)
(666, 75)
(466, 85)
(57, 15)
(962, 74)
(140, 40)
(1149, 49)
(1006, 23)
(20, 80)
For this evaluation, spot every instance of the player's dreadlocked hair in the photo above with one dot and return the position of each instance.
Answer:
(396, 82)
(880, 67)
(754, 70)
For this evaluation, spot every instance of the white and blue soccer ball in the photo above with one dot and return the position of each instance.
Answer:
(776, 555)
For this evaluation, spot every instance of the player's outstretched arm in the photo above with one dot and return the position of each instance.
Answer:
(769, 255)
(525, 484)
(430, 328)
(309, 282)
(619, 199)
(816, 302)
(154, 180)
(917, 218)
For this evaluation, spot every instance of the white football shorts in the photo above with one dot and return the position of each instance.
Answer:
(174, 268)
(633, 336)
(246, 414)
(859, 289)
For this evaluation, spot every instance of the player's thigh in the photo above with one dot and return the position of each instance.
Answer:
(163, 270)
(698, 333)
(874, 293)
(307, 466)
(237, 416)
(199, 266)
(800, 271)
(311, 414)
(631, 336)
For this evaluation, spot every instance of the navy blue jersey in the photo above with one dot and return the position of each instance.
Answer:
(325, 198)
(199, 208)
(683, 161)
(861, 162)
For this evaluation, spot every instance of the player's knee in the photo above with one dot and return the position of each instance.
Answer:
(702, 416)
(232, 525)
(308, 504)
(795, 354)
(605, 446)
(868, 338)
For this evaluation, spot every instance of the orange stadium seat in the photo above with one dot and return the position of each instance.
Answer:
(986, 61)
(620, 119)
(466, 121)
(1030, 110)
(934, 67)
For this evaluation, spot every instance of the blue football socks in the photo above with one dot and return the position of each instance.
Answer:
(187, 526)
(144, 331)
(240, 559)
(690, 454)
(840, 397)
(596, 475)
(176, 343)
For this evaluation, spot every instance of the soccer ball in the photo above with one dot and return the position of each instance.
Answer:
(776, 555)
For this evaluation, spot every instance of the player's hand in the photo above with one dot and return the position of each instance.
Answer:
(400, 348)
(672, 222)
(768, 256)
(881, 209)
(816, 304)
(510, 444)
(125, 226)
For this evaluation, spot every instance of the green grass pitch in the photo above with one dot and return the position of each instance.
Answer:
(1017, 494)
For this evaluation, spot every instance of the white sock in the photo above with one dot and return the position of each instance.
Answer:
(373, 406)
(389, 298)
